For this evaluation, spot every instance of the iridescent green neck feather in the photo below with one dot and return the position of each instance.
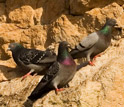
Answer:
(63, 54)
(106, 30)
(64, 57)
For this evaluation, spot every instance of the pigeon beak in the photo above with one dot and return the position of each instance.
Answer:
(8, 49)
(116, 25)
(69, 46)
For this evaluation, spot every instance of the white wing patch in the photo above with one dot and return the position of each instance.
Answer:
(40, 59)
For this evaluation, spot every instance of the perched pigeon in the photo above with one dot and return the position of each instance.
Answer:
(94, 43)
(59, 74)
(33, 59)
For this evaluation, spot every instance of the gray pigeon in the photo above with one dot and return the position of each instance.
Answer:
(94, 43)
(59, 74)
(33, 59)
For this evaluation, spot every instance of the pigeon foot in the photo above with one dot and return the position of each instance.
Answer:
(61, 89)
(99, 55)
(29, 73)
(34, 74)
(91, 63)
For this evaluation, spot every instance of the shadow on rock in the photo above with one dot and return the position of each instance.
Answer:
(11, 73)
(83, 64)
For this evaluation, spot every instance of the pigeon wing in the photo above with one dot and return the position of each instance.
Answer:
(42, 86)
(88, 42)
(32, 56)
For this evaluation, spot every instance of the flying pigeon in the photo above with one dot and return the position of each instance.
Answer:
(94, 43)
(33, 59)
(59, 74)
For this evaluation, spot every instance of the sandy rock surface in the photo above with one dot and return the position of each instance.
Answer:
(42, 24)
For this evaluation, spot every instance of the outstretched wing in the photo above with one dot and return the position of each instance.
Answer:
(33, 56)
(43, 86)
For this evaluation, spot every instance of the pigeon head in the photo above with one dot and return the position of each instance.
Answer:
(111, 22)
(64, 44)
(14, 47)
(63, 48)
(64, 55)
(107, 28)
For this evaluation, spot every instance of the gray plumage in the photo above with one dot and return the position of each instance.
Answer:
(33, 59)
(95, 42)
(58, 75)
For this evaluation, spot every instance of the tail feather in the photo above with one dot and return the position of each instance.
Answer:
(77, 54)
(73, 53)
(28, 103)
(41, 93)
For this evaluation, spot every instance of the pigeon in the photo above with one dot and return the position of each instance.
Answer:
(35, 60)
(59, 74)
(94, 43)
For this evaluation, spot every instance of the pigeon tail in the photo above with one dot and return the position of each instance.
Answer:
(35, 95)
(28, 103)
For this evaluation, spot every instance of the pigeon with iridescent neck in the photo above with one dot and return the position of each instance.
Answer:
(33, 59)
(59, 74)
(94, 43)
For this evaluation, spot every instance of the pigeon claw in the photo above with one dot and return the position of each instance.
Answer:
(96, 56)
(35, 75)
(57, 90)
(29, 73)
(91, 63)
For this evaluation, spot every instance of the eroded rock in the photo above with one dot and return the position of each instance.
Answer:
(43, 23)
(79, 7)
(22, 16)
(2, 13)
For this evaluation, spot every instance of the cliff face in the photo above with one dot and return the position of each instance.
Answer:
(42, 23)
